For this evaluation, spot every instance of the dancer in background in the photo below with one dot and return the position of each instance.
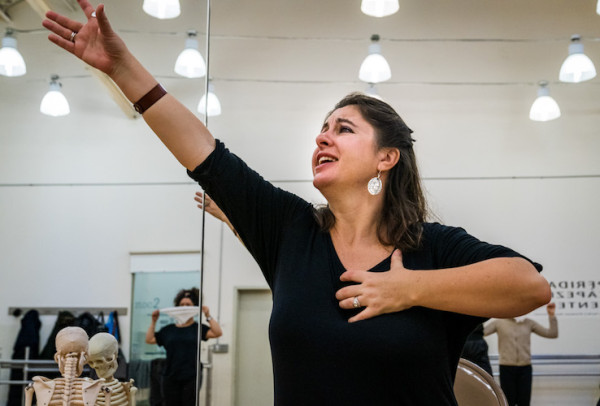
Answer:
(181, 342)
(514, 349)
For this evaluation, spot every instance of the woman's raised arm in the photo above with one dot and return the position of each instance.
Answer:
(95, 43)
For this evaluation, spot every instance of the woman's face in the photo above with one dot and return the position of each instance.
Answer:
(186, 301)
(346, 155)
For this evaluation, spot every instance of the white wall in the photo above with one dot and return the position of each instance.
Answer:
(78, 194)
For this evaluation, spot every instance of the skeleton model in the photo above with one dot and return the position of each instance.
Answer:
(70, 390)
(103, 352)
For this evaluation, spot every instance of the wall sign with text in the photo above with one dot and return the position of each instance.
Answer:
(575, 297)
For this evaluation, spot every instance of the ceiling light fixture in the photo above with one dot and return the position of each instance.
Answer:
(379, 8)
(213, 106)
(162, 9)
(55, 103)
(598, 8)
(190, 62)
(11, 61)
(374, 69)
(577, 67)
(371, 91)
(544, 108)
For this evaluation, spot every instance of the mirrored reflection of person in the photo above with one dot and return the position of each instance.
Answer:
(180, 340)
(371, 303)
(514, 350)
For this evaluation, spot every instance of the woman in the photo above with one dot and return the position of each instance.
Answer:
(371, 305)
(181, 342)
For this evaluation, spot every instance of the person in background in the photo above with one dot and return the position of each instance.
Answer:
(372, 303)
(514, 350)
(181, 343)
(476, 350)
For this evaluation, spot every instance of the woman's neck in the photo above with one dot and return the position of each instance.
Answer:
(356, 217)
(356, 239)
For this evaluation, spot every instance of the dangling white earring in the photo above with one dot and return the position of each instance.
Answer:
(375, 185)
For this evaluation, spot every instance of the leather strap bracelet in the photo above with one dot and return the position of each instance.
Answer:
(149, 99)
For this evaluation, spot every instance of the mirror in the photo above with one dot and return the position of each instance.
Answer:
(80, 194)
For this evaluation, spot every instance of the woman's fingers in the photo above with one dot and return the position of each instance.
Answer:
(103, 22)
(60, 24)
(63, 43)
(86, 7)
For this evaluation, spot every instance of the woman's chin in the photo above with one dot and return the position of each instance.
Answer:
(319, 182)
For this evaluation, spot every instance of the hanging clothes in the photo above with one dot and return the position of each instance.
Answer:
(64, 319)
(28, 336)
(90, 324)
(113, 325)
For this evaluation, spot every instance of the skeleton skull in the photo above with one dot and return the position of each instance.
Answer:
(71, 342)
(103, 351)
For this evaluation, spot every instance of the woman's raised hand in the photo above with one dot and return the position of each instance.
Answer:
(94, 42)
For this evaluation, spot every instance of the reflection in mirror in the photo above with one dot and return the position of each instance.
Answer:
(464, 85)
(79, 193)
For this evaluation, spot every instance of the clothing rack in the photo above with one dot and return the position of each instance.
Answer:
(53, 311)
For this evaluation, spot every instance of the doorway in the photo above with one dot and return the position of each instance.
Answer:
(253, 381)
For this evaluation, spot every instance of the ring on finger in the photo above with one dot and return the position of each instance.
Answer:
(72, 38)
(356, 302)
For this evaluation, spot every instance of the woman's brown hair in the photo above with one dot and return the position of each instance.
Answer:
(193, 294)
(404, 208)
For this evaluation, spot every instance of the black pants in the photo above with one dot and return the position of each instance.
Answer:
(179, 392)
(516, 384)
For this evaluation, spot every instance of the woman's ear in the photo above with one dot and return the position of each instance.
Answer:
(388, 158)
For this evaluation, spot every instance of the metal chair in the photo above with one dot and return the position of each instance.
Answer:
(473, 386)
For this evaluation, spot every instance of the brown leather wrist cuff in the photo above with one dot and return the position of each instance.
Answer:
(149, 99)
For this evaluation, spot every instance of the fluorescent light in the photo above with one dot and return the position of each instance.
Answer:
(577, 67)
(374, 69)
(371, 91)
(379, 8)
(55, 103)
(11, 61)
(162, 9)
(190, 62)
(544, 108)
(213, 106)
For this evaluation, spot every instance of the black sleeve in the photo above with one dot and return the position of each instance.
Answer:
(204, 331)
(259, 211)
(453, 247)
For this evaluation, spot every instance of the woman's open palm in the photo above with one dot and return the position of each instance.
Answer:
(95, 42)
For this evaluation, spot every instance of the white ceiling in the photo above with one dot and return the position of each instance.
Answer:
(464, 74)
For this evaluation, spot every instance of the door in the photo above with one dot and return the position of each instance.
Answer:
(253, 381)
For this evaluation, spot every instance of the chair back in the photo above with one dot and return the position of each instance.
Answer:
(473, 386)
